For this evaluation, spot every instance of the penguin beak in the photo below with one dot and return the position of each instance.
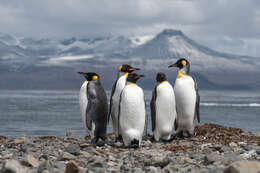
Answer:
(141, 76)
(133, 69)
(83, 74)
(173, 65)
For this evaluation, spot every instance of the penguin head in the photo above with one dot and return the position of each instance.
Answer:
(125, 68)
(160, 77)
(183, 64)
(133, 77)
(90, 76)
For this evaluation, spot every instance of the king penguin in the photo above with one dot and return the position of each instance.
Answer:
(117, 88)
(163, 110)
(132, 112)
(93, 106)
(187, 99)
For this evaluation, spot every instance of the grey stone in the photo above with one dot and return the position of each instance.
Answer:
(137, 170)
(96, 162)
(157, 161)
(151, 169)
(30, 160)
(96, 170)
(66, 156)
(248, 147)
(73, 149)
(225, 149)
(171, 168)
(13, 166)
(243, 166)
(258, 152)
(211, 158)
(44, 166)
(232, 144)
(231, 157)
(59, 164)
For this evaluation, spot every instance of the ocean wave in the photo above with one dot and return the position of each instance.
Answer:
(230, 104)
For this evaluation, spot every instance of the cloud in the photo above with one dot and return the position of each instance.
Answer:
(202, 20)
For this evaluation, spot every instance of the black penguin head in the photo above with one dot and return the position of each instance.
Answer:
(90, 76)
(127, 68)
(160, 77)
(133, 77)
(183, 64)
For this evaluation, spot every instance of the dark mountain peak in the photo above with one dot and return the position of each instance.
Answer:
(171, 32)
(68, 41)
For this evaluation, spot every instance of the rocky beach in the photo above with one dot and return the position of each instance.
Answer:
(213, 148)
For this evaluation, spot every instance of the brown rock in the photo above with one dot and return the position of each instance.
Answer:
(243, 166)
(72, 167)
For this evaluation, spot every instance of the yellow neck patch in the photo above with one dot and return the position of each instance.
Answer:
(126, 74)
(164, 82)
(131, 83)
(95, 77)
(180, 74)
(86, 81)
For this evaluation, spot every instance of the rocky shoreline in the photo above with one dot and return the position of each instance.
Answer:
(214, 148)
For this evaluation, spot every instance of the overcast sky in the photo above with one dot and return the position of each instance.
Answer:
(225, 25)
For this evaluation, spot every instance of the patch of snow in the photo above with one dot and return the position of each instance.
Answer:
(139, 40)
(65, 59)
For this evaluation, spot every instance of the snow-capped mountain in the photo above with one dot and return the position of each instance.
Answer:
(151, 53)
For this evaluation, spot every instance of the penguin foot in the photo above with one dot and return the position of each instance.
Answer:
(134, 144)
(119, 139)
(153, 140)
(180, 135)
(97, 142)
(168, 140)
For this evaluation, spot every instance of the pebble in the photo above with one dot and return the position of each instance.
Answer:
(72, 167)
(243, 166)
(75, 154)
(232, 144)
(30, 160)
(66, 156)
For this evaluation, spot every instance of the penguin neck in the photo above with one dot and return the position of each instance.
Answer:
(163, 82)
(130, 83)
(120, 74)
(184, 72)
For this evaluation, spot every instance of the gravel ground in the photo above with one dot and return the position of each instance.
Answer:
(213, 148)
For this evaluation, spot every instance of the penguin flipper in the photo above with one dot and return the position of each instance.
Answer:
(197, 105)
(119, 110)
(88, 115)
(175, 124)
(153, 108)
(111, 101)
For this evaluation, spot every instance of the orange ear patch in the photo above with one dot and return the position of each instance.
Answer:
(95, 77)
(184, 63)
(120, 68)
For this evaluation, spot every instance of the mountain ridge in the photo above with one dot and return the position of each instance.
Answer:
(152, 54)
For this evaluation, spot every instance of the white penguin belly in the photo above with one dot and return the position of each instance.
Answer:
(185, 95)
(165, 112)
(132, 114)
(83, 102)
(115, 99)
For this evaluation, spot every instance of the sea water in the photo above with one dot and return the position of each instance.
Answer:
(41, 112)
